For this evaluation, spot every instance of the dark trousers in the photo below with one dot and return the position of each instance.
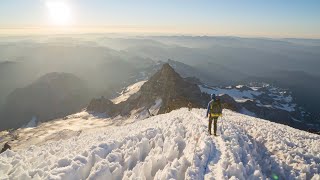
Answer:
(214, 125)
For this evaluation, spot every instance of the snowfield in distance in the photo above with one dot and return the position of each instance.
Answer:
(127, 92)
(281, 99)
(172, 146)
(239, 96)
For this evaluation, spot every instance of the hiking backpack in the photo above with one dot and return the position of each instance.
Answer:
(215, 108)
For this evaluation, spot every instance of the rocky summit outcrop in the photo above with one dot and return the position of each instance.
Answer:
(229, 103)
(168, 86)
(5, 147)
(101, 105)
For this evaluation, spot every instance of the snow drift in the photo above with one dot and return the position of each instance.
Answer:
(175, 145)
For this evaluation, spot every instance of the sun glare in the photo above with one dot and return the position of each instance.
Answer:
(59, 13)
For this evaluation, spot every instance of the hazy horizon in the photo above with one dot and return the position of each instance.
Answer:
(271, 19)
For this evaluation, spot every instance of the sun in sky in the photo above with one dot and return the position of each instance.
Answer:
(59, 12)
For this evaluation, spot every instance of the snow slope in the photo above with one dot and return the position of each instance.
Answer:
(127, 92)
(172, 146)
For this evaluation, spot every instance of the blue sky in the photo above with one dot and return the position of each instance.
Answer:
(270, 18)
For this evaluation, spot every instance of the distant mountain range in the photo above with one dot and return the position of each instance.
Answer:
(108, 64)
(300, 84)
(52, 96)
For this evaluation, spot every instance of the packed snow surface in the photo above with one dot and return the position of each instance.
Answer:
(171, 146)
(127, 92)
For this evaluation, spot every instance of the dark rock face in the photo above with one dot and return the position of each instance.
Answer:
(5, 147)
(314, 131)
(229, 103)
(101, 105)
(54, 95)
(274, 115)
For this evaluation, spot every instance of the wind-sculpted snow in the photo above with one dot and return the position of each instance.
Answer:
(173, 146)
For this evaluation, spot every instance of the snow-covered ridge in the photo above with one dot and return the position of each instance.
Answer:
(239, 96)
(263, 96)
(127, 92)
(172, 146)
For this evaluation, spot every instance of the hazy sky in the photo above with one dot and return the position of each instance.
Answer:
(269, 18)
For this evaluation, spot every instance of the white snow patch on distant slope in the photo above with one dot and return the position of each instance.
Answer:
(32, 123)
(144, 113)
(239, 86)
(130, 90)
(238, 95)
(156, 107)
(286, 107)
(173, 146)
